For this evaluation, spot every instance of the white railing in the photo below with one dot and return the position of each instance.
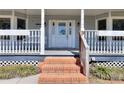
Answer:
(84, 53)
(20, 41)
(105, 42)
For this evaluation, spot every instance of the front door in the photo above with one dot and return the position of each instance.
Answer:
(61, 34)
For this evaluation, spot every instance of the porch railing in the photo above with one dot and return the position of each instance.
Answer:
(108, 42)
(84, 53)
(20, 41)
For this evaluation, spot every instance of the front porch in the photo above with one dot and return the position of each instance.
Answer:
(55, 32)
(32, 31)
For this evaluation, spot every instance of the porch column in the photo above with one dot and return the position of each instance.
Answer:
(109, 25)
(27, 19)
(42, 32)
(13, 19)
(82, 20)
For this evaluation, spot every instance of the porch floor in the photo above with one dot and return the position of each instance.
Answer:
(61, 53)
(39, 58)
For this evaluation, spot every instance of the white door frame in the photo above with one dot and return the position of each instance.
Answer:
(72, 43)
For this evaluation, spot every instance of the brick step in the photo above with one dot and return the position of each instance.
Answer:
(62, 78)
(59, 68)
(61, 60)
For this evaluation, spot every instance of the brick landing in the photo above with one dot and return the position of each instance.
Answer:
(61, 70)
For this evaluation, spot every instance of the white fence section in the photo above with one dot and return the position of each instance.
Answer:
(20, 41)
(108, 42)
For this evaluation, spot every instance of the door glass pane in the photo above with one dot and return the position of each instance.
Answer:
(4, 23)
(62, 28)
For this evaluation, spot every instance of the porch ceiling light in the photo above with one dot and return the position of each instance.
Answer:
(70, 24)
(45, 23)
(53, 23)
(78, 24)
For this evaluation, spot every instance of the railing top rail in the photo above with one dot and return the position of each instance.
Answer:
(107, 32)
(17, 31)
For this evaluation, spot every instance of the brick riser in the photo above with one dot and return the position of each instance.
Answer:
(60, 70)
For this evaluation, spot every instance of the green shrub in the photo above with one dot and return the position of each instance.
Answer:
(8, 72)
(26, 70)
(108, 73)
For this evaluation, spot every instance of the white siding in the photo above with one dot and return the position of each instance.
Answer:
(89, 22)
(34, 21)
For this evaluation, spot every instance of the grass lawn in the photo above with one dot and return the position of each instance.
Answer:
(13, 71)
(106, 75)
(95, 80)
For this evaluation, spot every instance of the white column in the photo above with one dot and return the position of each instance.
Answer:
(82, 19)
(27, 21)
(42, 31)
(109, 25)
(13, 19)
(27, 18)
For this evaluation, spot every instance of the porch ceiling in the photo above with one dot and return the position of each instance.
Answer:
(29, 11)
(99, 11)
(25, 11)
(63, 12)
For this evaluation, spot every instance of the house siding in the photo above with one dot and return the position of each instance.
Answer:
(5, 12)
(34, 22)
(89, 22)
